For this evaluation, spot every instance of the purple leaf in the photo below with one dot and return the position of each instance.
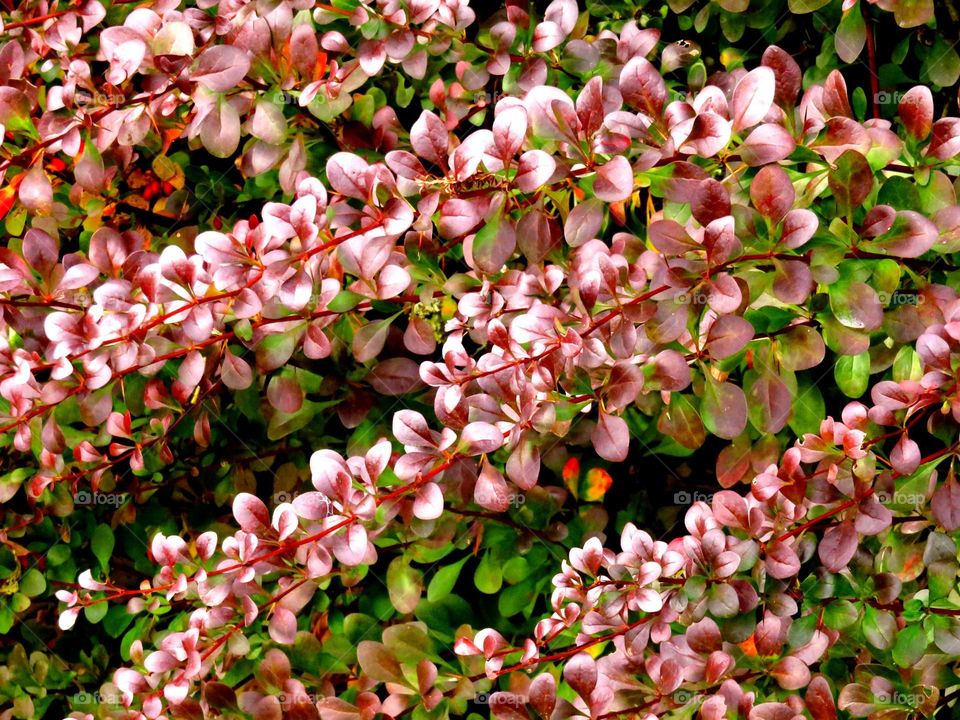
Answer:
(492, 246)
(543, 694)
(346, 173)
(410, 428)
(369, 340)
(787, 74)
(819, 700)
(509, 130)
(643, 87)
(838, 546)
(727, 336)
(945, 143)
(709, 135)
(235, 372)
(670, 238)
(550, 111)
(711, 201)
(724, 409)
(911, 236)
(580, 672)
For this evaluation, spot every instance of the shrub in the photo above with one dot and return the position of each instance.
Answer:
(323, 321)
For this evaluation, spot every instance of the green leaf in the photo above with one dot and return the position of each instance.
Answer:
(33, 583)
(516, 598)
(95, 613)
(443, 581)
(910, 645)
(839, 614)
(117, 620)
(344, 301)
(808, 410)
(852, 373)
(102, 543)
(516, 570)
(801, 7)
(404, 585)
(489, 576)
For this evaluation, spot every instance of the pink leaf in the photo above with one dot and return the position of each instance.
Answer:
(753, 97)
(221, 67)
(916, 111)
(945, 504)
(781, 561)
(611, 437)
(614, 181)
(533, 170)
(767, 143)
(430, 139)
(791, 673)
(480, 437)
(410, 428)
(346, 173)
(283, 626)
(428, 502)
(772, 192)
(905, 456)
(491, 491)
(235, 372)
(251, 514)
(509, 130)
(799, 225)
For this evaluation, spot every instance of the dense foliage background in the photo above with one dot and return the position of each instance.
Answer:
(426, 359)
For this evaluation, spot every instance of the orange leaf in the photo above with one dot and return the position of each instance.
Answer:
(597, 482)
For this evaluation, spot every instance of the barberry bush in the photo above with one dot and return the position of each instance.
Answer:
(422, 359)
